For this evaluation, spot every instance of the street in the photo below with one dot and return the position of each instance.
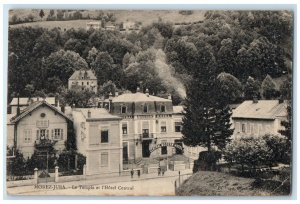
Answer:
(147, 185)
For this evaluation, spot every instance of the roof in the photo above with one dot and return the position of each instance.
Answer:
(25, 101)
(33, 107)
(178, 109)
(97, 114)
(263, 109)
(87, 74)
(138, 97)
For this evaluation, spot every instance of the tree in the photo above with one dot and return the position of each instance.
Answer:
(108, 87)
(42, 14)
(16, 166)
(230, 87)
(248, 151)
(269, 89)
(286, 94)
(51, 12)
(63, 64)
(205, 122)
(251, 89)
(31, 17)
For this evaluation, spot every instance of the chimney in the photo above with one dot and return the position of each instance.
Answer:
(110, 102)
(138, 89)
(170, 96)
(147, 92)
(89, 114)
(116, 93)
(63, 109)
(37, 99)
(18, 107)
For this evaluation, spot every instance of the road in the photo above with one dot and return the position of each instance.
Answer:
(144, 187)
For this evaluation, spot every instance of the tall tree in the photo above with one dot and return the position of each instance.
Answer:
(268, 87)
(205, 122)
(251, 89)
(41, 14)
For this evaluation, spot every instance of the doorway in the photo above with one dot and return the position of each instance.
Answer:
(145, 148)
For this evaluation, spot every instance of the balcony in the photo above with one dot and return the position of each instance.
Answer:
(146, 136)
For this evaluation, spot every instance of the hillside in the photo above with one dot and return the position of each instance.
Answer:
(145, 18)
(206, 183)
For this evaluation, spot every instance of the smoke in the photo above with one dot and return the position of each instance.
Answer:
(165, 72)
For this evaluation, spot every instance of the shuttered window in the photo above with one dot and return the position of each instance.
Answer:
(104, 159)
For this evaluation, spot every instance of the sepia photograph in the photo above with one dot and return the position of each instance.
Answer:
(149, 102)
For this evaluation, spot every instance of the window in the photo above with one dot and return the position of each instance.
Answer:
(237, 127)
(42, 123)
(27, 136)
(125, 151)
(260, 129)
(162, 108)
(104, 159)
(145, 108)
(57, 134)
(123, 109)
(251, 128)
(124, 128)
(87, 83)
(177, 126)
(243, 127)
(104, 136)
(82, 83)
(268, 129)
(255, 129)
(43, 134)
(163, 126)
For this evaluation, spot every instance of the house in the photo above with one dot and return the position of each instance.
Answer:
(96, 25)
(149, 126)
(83, 79)
(259, 117)
(38, 122)
(25, 102)
(98, 138)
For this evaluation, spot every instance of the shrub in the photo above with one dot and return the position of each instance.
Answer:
(248, 151)
(207, 161)
(279, 146)
(66, 160)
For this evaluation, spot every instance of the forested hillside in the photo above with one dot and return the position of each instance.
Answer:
(162, 58)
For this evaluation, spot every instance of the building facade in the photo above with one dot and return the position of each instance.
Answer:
(98, 138)
(83, 79)
(259, 117)
(149, 127)
(38, 122)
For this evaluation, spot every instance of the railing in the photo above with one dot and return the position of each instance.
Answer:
(181, 178)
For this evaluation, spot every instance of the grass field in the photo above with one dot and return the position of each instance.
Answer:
(146, 17)
(207, 183)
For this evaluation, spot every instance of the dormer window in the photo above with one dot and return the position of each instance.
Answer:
(163, 108)
(145, 109)
(123, 109)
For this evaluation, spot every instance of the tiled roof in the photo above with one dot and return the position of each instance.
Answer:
(25, 101)
(138, 97)
(97, 113)
(34, 106)
(87, 74)
(263, 109)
